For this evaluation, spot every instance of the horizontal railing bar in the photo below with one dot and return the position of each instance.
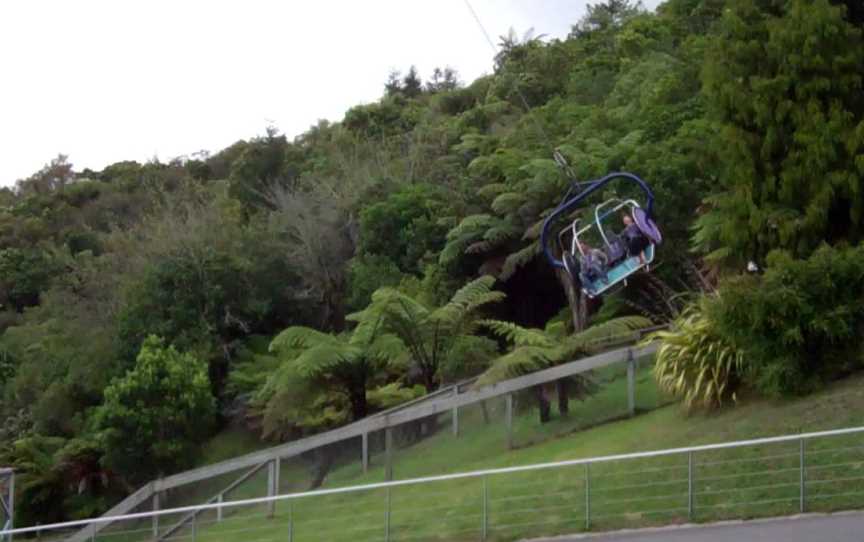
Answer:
(835, 480)
(643, 512)
(454, 533)
(429, 408)
(399, 414)
(745, 460)
(232, 486)
(638, 486)
(447, 477)
(745, 489)
(831, 465)
(703, 479)
(749, 503)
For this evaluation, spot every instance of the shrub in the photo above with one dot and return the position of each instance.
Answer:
(696, 363)
(154, 418)
(799, 324)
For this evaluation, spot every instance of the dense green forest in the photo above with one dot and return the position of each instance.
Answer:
(296, 285)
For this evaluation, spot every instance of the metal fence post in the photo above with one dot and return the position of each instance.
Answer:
(631, 383)
(388, 453)
(455, 413)
(290, 520)
(219, 499)
(271, 478)
(509, 420)
(194, 526)
(365, 452)
(587, 496)
(11, 503)
(690, 486)
(803, 496)
(387, 518)
(156, 506)
(484, 526)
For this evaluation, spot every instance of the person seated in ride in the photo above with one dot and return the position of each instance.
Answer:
(634, 239)
(593, 265)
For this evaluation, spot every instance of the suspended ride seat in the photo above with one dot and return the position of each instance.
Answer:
(616, 250)
(624, 254)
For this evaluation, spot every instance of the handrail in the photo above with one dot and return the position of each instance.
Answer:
(430, 405)
(447, 477)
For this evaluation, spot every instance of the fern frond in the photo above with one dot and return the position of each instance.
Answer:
(533, 231)
(479, 247)
(507, 203)
(470, 297)
(602, 335)
(324, 358)
(519, 259)
(470, 224)
(389, 349)
(521, 361)
(501, 232)
(518, 335)
(299, 337)
(491, 190)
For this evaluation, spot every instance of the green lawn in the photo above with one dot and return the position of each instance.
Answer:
(748, 482)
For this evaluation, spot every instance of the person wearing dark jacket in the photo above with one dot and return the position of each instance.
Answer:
(633, 237)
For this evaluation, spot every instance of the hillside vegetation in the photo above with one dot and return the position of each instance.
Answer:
(296, 285)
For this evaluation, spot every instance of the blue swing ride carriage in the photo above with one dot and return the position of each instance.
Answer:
(597, 269)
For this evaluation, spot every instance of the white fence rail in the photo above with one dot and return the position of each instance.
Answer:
(767, 476)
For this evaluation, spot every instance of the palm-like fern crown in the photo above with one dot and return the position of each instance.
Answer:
(517, 208)
(430, 334)
(535, 349)
(314, 353)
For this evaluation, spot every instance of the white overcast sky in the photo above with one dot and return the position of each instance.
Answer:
(110, 80)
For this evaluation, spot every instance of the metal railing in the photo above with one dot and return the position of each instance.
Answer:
(437, 403)
(7, 500)
(750, 478)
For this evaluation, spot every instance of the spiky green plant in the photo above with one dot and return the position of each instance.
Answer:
(695, 363)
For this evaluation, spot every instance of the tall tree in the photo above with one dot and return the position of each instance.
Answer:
(154, 417)
(412, 85)
(393, 86)
(784, 84)
(54, 176)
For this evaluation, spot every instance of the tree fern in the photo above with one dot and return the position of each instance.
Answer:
(433, 335)
(348, 362)
(535, 349)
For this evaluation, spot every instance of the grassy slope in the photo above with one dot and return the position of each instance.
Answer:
(552, 501)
